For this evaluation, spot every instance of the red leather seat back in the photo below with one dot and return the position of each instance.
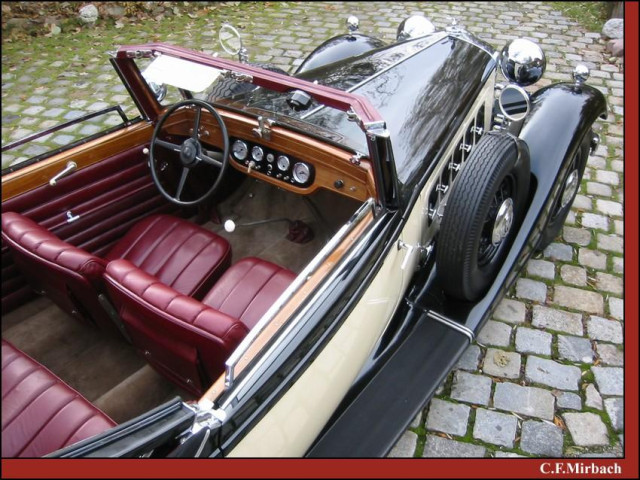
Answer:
(68, 275)
(179, 253)
(41, 413)
(181, 337)
(248, 289)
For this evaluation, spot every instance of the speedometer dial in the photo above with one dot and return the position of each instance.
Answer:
(239, 150)
(283, 163)
(257, 153)
(301, 172)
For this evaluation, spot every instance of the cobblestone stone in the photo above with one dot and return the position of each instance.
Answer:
(608, 207)
(592, 397)
(542, 439)
(611, 243)
(510, 311)
(495, 333)
(448, 417)
(500, 363)
(600, 328)
(531, 290)
(586, 429)
(544, 317)
(616, 308)
(494, 427)
(529, 340)
(577, 299)
(592, 259)
(573, 275)
(559, 251)
(470, 388)
(470, 358)
(531, 401)
(609, 380)
(552, 374)
(579, 236)
(610, 354)
(609, 283)
(594, 188)
(591, 220)
(575, 349)
(405, 447)
(569, 400)
(615, 410)
(541, 268)
(438, 447)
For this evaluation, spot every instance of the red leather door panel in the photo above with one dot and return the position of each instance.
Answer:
(108, 196)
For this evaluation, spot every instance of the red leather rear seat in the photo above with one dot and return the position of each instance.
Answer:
(41, 413)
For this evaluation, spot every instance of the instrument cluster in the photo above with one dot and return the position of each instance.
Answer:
(272, 163)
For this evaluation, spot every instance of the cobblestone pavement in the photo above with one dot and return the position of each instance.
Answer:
(545, 377)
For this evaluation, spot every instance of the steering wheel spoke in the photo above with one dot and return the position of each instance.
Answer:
(190, 152)
(196, 126)
(168, 145)
(213, 158)
(181, 183)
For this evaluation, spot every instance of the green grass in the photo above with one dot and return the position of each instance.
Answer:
(591, 15)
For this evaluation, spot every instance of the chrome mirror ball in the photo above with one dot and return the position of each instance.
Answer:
(413, 27)
(523, 62)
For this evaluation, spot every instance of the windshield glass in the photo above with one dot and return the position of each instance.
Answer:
(186, 79)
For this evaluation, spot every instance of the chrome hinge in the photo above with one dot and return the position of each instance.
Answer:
(263, 130)
(466, 147)
(442, 188)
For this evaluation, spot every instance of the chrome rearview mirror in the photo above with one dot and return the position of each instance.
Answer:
(514, 102)
(231, 42)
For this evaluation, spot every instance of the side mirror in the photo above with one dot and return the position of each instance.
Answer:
(231, 42)
(514, 102)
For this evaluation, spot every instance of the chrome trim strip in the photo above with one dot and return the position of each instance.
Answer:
(452, 324)
(296, 323)
(297, 283)
(436, 38)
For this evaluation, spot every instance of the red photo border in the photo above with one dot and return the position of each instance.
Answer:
(422, 468)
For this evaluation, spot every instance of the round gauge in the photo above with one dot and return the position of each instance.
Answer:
(257, 153)
(301, 172)
(239, 150)
(270, 157)
(283, 163)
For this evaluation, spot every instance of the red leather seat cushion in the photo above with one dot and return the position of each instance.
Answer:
(181, 337)
(248, 288)
(179, 253)
(41, 413)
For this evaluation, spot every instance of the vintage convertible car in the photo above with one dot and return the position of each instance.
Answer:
(302, 256)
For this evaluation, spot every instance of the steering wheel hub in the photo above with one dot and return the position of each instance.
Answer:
(189, 152)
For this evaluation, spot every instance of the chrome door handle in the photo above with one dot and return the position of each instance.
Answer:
(71, 166)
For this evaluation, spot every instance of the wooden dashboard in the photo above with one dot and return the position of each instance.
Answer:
(331, 167)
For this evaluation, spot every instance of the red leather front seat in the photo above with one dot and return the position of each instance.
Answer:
(41, 413)
(187, 340)
(182, 338)
(181, 254)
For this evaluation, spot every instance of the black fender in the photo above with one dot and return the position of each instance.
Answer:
(338, 48)
(561, 115)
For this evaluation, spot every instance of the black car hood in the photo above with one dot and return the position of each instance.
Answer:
(422, 88)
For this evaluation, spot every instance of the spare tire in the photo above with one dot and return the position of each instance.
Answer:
(484, 209)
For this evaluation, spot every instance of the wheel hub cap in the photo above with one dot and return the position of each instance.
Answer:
(504, 220)
(570, 189)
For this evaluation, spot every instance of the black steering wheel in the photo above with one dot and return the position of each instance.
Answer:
(191, 152)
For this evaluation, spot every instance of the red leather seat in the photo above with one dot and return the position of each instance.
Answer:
(179, 253)
(182, 338)
(247, 289)
(41, 413)
(187, 340)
